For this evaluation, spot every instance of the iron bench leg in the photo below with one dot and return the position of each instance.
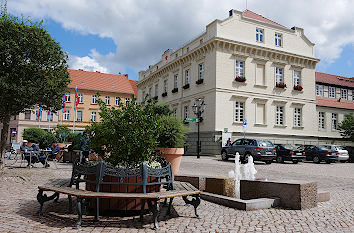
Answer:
(41, 198)
(194, 202)
(169, 206)
(70, 204)
(155, 211)
(142, 211)
(97, 213)
(79, 212)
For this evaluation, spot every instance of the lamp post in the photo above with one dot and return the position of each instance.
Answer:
(198, 109)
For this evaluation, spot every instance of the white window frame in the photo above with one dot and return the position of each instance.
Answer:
(116, 101)
(259, 34)
(81, 98)
(334, 122)
(175, 81)
(297, 78)
(321, 120)
(94, 116)
(332, 92)
(67, 115)
(107, 100)
(319, 90)
(344, 94)
(279, 75)
(165, 86)
(239, 68)
(127, 100)
(297, 117)
(78, 117)
(239, 111)
(201, 71)
(67, 97)
(94, 99)
(187, 77)
(156, 89)
(279, 115)
(186, 111)
(278, 39)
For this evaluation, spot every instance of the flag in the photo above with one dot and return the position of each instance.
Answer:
(64, 100)
(39, 113)
(76, 99)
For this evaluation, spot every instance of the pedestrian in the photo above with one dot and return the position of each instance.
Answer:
(228, 142)
(84, 145)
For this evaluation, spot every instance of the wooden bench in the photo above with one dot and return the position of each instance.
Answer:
(172, 189)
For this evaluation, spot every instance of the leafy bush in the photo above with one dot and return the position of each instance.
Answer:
(38, 135)
(62, 133)
(346, 127)
(74, 138)
(33, 134)
(127, 135)
(172, 132)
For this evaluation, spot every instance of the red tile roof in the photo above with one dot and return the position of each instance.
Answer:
(98, 81)
(135, 87)
(335, 103)
(334, 79)
(252, 15)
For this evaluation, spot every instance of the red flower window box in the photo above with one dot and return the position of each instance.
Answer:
(199, 81)
(164, 94)
(241, 79)
(174, 90)
(281, 85)
(186, 86)
(298, 88)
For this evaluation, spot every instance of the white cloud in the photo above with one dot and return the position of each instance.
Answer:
(86, 63)
(143, 29)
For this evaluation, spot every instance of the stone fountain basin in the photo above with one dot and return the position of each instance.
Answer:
(260, 193)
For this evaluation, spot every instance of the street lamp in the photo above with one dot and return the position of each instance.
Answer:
(198, 109)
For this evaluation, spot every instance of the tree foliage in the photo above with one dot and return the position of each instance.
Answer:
(346, 127)
(62, 133)
(33, 68)
(38, 135)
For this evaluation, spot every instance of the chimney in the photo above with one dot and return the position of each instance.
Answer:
(126, 75)
(231, 12)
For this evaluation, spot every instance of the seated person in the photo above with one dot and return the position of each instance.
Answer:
(24, 147)
(55, 150)
(36, 156)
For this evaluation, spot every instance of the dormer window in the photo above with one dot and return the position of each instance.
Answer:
(259, 34)
(278, 39)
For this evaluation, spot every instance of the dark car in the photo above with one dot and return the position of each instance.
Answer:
(319, 153)
(260, 150)
(350, 150)
(287, 152)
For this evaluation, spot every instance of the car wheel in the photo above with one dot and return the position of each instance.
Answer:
(224, 156)
(280, 159)
(343, 161)
(295, 161)
(268, 161)
(316, 159)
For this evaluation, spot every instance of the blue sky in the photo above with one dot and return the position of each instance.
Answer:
(129, 35)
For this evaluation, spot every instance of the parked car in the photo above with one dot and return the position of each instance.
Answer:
(350, 150)
(260, 150)
(287, 152)
(343, 155)
(319, 153)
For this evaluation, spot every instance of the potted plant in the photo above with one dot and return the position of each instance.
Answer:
(171, 140)
(298, 88)
(241, 79)
(280, 85)
(125, 137)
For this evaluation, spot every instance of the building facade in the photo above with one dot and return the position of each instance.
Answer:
(245, 67)
(111, 88)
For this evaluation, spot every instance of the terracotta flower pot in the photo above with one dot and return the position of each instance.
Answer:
(172, 155)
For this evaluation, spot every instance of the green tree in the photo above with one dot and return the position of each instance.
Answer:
(62, 132)
(346, 127)
(38, 135)
(33, 69)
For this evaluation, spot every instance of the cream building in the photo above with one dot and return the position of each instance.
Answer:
(245, 44)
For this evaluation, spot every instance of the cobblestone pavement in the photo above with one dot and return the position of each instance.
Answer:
(18, 204)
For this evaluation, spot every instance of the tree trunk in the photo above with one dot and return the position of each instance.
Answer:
(4, 133)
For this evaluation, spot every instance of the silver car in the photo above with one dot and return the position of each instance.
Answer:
(342, 153)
